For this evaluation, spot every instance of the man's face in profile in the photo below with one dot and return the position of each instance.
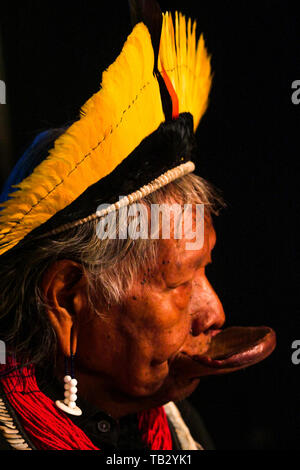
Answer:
(172, 311)
(153, 346)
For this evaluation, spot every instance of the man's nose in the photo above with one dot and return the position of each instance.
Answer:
(206, 308)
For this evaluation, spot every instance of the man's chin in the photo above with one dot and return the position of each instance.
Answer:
(182, 390)
(175, 391)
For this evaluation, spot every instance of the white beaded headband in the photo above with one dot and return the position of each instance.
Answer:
(163, 180)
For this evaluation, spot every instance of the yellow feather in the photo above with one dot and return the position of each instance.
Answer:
(186, 63)
(112, 123)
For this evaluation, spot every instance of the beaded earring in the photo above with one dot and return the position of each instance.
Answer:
(69, 403)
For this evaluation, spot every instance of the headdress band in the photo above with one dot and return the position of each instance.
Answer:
(163, 180)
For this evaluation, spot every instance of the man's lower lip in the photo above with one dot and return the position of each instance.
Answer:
(213, 333)
(232, 349)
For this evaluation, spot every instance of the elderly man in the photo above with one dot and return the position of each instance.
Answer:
(104, 333)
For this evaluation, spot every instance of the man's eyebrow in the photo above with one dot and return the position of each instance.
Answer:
(213, 243)
(211, 248)
(200, 260)
(205, 257)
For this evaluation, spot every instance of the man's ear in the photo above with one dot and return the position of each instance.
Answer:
(64, 290)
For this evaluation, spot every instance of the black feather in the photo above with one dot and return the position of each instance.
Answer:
(149, 12)
(166, 99)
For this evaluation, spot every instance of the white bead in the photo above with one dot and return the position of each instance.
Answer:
(73, 382)
(73, 397)
(73, 389)
(66, 401)
(67, 393)
(67, 386)
(72, 404)
(67, 409)
(67, 378)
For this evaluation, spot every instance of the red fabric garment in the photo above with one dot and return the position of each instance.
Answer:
(51, 429)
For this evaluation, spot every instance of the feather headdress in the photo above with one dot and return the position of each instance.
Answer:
(108, 141)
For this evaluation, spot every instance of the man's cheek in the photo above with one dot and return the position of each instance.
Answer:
(168, 340)
(145, 380)
(181, 296)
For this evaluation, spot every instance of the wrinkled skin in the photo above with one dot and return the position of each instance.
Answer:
(141, 353)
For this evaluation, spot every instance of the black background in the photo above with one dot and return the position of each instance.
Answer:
(54, 53)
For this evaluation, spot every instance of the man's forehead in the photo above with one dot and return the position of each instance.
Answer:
(175, 251)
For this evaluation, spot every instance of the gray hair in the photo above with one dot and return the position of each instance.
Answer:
(110, 267)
